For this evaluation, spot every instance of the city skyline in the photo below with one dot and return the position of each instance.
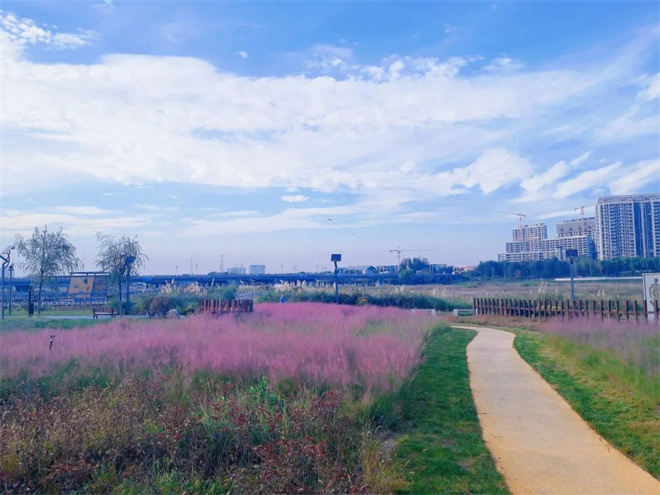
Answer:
(278, 133)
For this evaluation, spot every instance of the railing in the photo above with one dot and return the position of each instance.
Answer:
(220, 306)
(530, 308)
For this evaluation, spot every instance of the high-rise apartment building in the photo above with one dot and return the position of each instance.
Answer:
(531, 243)
(530, 232)
(577, 226)
(628, 226)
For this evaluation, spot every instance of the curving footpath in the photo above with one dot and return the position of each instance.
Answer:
(540, 445)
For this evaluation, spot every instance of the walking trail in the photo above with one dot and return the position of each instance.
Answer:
(540, 445)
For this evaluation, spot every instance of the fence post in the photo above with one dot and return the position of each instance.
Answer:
(655, 311)
(635, 309)
(627, 309)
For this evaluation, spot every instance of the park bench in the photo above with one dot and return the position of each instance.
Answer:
(103, 311)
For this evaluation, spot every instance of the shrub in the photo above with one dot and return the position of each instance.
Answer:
(406, 301)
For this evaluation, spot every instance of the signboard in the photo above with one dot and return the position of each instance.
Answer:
(87, 286)
(651, 284)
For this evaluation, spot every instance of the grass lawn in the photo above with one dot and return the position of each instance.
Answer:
(620, 402)
(40, 322)
(443, 451)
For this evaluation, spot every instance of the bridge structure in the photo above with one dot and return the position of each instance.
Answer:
(148, 283)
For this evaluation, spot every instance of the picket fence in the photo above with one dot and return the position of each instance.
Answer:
(531, 308)
(221, 306)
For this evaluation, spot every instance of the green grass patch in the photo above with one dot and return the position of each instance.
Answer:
(444, 451)
(40, 322)
(618, 401)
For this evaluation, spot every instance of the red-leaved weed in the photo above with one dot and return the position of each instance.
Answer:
(635, 342)
(307, 342)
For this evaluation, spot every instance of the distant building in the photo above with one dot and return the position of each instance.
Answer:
(577, 226)
(530, 232)
(236, 270)
(387, 268)
(628, 226)
(257, 269)
(358, 270)
(531, 243)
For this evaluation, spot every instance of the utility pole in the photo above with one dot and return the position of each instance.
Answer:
(128, 262)
(11, 278)
(335, 258)
(5, 257)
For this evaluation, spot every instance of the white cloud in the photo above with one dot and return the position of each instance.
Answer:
(540, 185)
(576, 162)
(298, 198)
(586, 180)
(636, 178)
(74, 224)
(504, 64)
(548, 178)
(22, 31)
(629, 125)
(651, 90)
(494, 169)
(242, 54)
(82, 210)
(410, 128)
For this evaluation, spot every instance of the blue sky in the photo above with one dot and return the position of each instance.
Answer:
(280, 132)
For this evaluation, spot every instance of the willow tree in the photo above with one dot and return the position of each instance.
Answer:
(121, 257)
(46, 255)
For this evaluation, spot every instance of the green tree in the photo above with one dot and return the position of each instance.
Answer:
(46, 255)
(120, 257)
(406, 276)
(416, 264)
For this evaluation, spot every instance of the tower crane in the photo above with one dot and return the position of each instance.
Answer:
(519, 215)
(581, 208)
(398, 252)
(583, 224)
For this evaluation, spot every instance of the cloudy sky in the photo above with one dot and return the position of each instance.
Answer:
(280, 132)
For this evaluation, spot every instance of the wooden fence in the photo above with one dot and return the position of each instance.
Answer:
(530, 308)
(220, 306)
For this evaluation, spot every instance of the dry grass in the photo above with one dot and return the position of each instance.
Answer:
(520, 289)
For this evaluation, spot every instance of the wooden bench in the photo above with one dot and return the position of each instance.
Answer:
(103, 311)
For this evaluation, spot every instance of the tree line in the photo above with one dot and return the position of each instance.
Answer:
(583, 267)
(47, 254)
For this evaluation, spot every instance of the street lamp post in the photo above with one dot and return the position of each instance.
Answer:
(11, 279)
(4, 256)
(335, 258)
(128, 262)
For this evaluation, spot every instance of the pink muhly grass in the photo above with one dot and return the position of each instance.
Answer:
(307, 342)
(637, 343)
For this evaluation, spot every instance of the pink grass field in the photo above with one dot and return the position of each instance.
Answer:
(637, 343)
(307, 342)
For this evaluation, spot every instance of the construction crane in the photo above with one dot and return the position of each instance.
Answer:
(582, 219)
(398, 252)
(519, 215)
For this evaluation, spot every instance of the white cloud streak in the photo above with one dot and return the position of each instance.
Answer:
(22, 31)
(298, 198)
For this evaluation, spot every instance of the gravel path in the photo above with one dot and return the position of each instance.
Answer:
(539, 443)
